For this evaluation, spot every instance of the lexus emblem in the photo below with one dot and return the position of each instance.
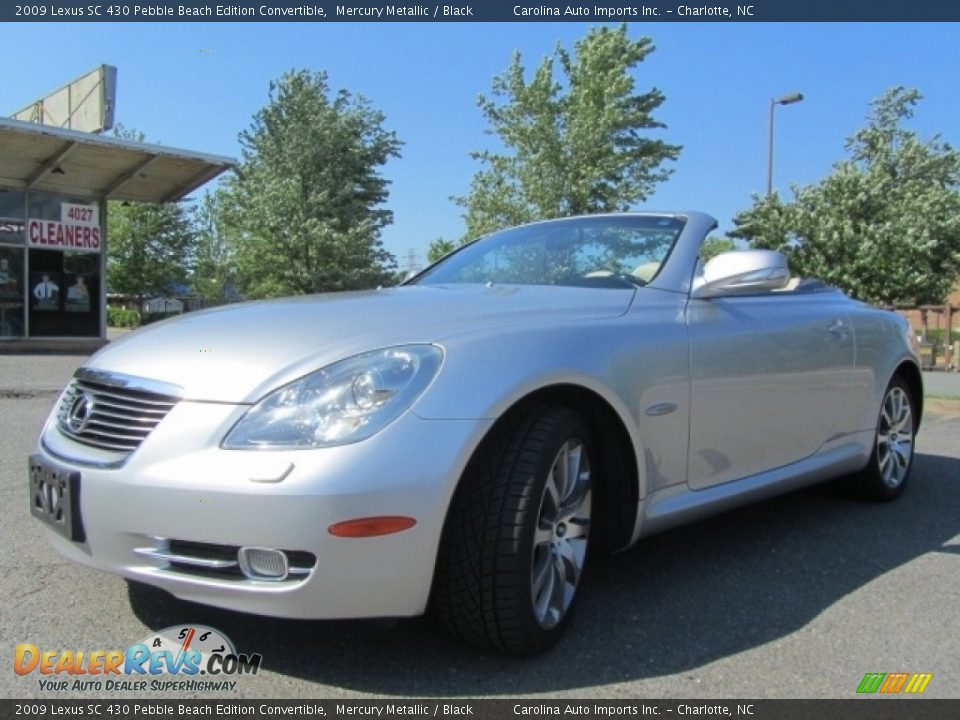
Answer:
(79, 414)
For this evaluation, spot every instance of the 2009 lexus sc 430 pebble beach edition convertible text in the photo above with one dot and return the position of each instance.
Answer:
(464, 442)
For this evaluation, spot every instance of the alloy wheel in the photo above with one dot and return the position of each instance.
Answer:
(895, 437)
(561, 534)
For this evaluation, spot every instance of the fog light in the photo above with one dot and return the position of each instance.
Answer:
(263, 563)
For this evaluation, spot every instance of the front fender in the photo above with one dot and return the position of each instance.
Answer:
(483, 377)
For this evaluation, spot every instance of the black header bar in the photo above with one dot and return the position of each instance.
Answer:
(875, 708)
(483, 11)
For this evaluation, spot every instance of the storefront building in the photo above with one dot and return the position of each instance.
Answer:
(54, 237)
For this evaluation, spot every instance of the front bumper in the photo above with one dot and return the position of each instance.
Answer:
(180, 485)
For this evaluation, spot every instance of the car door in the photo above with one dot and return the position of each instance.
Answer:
(770, 378)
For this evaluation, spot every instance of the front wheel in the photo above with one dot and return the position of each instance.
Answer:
(515, 544)
(891, 461)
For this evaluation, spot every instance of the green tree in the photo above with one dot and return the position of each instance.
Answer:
(884, 225)
(714, 245)
(438, 248)
(214, 269)
(571, 146)
(304, 211)
(150, 245)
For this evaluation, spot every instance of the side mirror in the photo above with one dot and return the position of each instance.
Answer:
(742, 272)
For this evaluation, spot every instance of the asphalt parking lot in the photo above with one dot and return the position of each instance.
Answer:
(796, 597)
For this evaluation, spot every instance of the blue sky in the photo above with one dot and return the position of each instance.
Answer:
(197, 85)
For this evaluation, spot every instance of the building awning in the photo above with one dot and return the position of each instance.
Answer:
(51, 159)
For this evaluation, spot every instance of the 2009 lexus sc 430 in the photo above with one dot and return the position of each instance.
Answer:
(464, 442)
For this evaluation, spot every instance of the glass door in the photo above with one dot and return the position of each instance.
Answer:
(11, 292)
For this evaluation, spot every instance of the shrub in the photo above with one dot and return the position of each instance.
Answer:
(121, 317)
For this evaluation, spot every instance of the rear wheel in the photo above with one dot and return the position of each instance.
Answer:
(888, 471)
(515, 544)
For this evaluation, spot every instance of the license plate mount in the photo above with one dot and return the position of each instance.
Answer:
(55, 498)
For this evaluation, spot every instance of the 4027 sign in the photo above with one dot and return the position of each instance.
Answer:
(74, 214)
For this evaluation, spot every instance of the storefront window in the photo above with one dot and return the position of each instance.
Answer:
(11, 216)
(63, 278)
(64, 294)
(11, 292)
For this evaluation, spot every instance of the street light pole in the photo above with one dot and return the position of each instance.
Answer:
(785, 100)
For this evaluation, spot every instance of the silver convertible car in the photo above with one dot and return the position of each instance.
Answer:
(464, 442)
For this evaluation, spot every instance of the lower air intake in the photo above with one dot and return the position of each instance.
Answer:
(229, 562)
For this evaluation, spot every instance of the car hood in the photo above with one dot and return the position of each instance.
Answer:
(238, 353)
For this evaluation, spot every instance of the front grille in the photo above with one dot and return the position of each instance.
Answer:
(109, 416)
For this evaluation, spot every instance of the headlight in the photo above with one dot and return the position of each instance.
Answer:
(342, 403)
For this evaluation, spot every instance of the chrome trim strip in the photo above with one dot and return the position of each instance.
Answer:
(161, 551)
(129, 382)
(185, 559)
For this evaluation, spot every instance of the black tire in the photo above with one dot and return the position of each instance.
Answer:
(484, 590)
(879, 480)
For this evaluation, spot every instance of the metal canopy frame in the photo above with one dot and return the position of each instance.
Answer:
(49, 159)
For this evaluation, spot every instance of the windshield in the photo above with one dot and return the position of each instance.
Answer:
(602, 251)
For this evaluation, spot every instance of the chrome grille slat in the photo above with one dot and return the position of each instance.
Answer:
(127, 447)
(114, 418)
(136, 397)
(119, 416)
(95, 420)
(111, 435)
(135, 411)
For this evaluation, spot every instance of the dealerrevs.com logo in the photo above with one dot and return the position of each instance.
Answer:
(184, 657)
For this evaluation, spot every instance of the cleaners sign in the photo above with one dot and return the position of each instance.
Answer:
(78, 229)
